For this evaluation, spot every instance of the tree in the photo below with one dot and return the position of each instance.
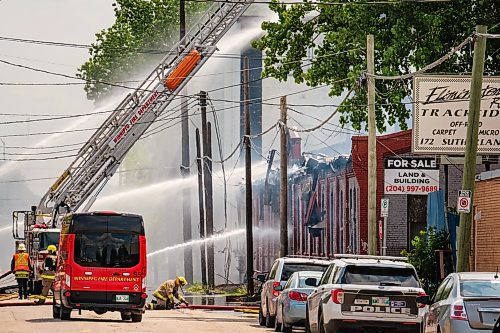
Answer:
(142, 34)
(424, 258)
(408, 36)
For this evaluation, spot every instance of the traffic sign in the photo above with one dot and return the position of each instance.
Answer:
(380, 230)
(384, 208)
(464, 201)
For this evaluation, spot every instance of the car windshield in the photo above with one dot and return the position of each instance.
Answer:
(302, 281)
(48, 238)
(289, 269)
(380, 276)
(107, 241)
(480, 288)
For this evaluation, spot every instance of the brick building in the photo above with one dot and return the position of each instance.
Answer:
(407, 212)
(485, 253)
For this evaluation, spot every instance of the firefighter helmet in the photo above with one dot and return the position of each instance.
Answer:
(21, 247)
(51, 248)
(182, 280)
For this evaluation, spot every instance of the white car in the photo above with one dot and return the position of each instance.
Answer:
(280, 272)
(466, 303)
(366, 294)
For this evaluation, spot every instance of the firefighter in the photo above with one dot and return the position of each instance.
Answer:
(21, 267)
(48, 273)
(165, 294)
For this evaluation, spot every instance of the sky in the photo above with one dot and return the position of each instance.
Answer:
(23, 183)
(74, 21)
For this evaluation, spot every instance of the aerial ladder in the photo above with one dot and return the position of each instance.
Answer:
(100, 157)
(102, 154)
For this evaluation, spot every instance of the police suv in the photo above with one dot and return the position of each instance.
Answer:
(366, 294)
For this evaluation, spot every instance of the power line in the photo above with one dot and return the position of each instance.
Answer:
(319, 3)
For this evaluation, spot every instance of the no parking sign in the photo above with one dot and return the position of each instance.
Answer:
(464, 201)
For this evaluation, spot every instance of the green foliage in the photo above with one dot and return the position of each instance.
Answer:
(408, 36)
(142, 29)
(425, 259)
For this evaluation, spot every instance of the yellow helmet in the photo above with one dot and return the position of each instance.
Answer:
(51, 248)
(182, 280)
(21, 247)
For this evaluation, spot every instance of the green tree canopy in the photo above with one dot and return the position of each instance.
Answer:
(143, 32)
(408, 36)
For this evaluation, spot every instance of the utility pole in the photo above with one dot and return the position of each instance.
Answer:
(206, 134)
(186, 191)
(372, 149)
(284, 181)
(471, 147)
(248, 180)
(201, 206)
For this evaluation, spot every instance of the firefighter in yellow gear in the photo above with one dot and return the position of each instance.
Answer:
(48, 273)
(166, 293)
(21, 267)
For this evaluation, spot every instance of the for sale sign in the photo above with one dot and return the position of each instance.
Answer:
(441, 110)
(411, 175)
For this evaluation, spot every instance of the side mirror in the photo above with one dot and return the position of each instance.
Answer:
(278, 288)
(311, 282)
(424, 300)
(261, 278)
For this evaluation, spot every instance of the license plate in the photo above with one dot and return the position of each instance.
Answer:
(489, 318)
(381, 301)
(122, 298)
(398, 304)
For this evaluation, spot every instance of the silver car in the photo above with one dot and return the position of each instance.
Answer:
(291, 303)
(465, 303)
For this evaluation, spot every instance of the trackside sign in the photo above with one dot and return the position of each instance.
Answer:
(410, 175)
(441, 108)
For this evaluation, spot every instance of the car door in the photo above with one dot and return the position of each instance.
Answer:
(283, 298)
(436, 308)
(267, 288)
(315, 297)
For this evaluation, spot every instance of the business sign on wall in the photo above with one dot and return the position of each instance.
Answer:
(410, 175)
(441, 110)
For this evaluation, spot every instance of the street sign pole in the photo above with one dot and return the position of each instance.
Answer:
(384, 245)
(384, 212)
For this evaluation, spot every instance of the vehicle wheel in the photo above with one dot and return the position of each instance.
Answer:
(65, 313)
(136, 317)
(308, 327)
(125, 316)
(286, 328)
(277, 325)
(262, 319)
(56, 314)
(270, 320)
(321, 326)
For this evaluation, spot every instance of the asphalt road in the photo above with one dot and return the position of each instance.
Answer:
(27, 319)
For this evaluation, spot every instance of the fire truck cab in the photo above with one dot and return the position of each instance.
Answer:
(101, 265)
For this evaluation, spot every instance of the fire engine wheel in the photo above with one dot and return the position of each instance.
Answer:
(126, 316)
(56, 314)
(136, 317)
(65, 312)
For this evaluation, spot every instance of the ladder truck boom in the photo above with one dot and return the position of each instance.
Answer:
(102, 154)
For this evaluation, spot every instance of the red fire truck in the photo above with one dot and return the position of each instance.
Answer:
(102, 265)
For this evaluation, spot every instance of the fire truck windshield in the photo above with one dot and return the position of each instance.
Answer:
(107, 241)
(48, 238)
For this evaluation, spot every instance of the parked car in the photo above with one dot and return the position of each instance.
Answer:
(281, 270)
(291, 303)
(366, 294)
(465, 303)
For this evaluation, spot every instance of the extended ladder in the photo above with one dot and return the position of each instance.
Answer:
(100, 157)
